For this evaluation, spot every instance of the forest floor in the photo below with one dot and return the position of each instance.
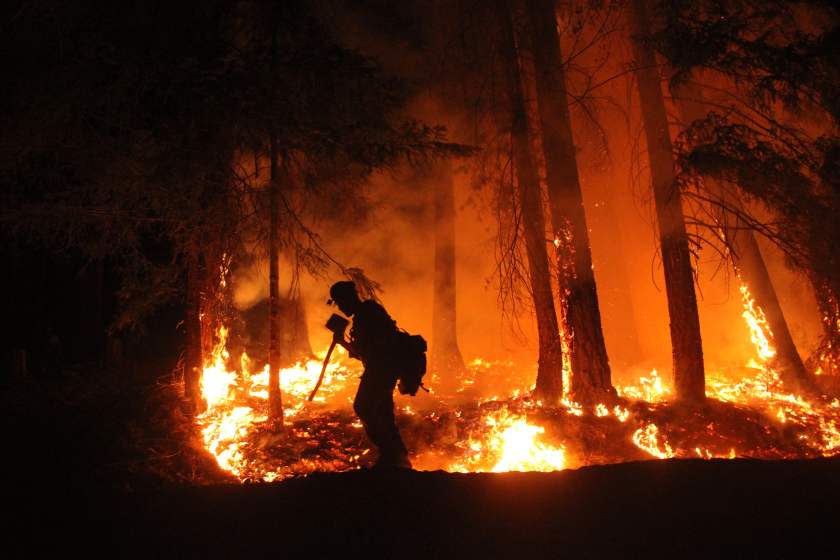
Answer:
(94, 466)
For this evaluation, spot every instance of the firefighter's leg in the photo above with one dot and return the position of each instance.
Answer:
(365, 407)
(375, 406)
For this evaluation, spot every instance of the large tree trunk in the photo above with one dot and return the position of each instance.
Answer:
(689, 374)
(549, 384)
(590, 376)
(446, 359)
(747, 259)
(193, 357)
(275, 401)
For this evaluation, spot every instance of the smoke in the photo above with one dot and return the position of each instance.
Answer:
(394, 244)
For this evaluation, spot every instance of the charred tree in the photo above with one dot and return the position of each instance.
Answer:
(687, 348)
(275, 400)
(549, 384)
(590, 375)
(446, 357)
(747, 259)
(192, 356)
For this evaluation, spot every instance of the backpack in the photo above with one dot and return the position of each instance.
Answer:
(411, 363)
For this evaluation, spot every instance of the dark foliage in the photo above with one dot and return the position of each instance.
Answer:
(129, 125)
(775, 138)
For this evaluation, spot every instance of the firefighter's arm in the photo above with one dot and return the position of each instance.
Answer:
(339, 339)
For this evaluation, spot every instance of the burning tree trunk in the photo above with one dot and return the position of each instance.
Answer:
(275, 402)
(590, 366)
(550, 369)
(193, 357)
(445, 356)
(747, 259)
(750, 264)
(689, 374)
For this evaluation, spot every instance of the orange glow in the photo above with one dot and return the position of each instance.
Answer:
(489, 423)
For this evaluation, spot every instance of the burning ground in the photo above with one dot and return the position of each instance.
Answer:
(487, 421)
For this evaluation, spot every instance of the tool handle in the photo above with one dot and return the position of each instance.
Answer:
(323, 371)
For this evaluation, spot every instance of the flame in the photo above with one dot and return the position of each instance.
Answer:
(766, 389)
(226, 423)
(760, 332)
(509, 443)
(621, 413)
(503, 429)
(216, 380)
(572, 407)
(647, 438)
(650, 389)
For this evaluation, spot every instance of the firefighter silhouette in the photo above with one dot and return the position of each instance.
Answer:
(373, 340)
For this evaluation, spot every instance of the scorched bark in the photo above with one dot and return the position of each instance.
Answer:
(550, 368)
(689, 374)
(590, 375)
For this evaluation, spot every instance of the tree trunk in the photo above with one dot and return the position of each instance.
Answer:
(747, 259)
(549, 384)
(590, 375)
(446, 357)
(193, 358)
(689, 374)
(275, 400)
(750, 264)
